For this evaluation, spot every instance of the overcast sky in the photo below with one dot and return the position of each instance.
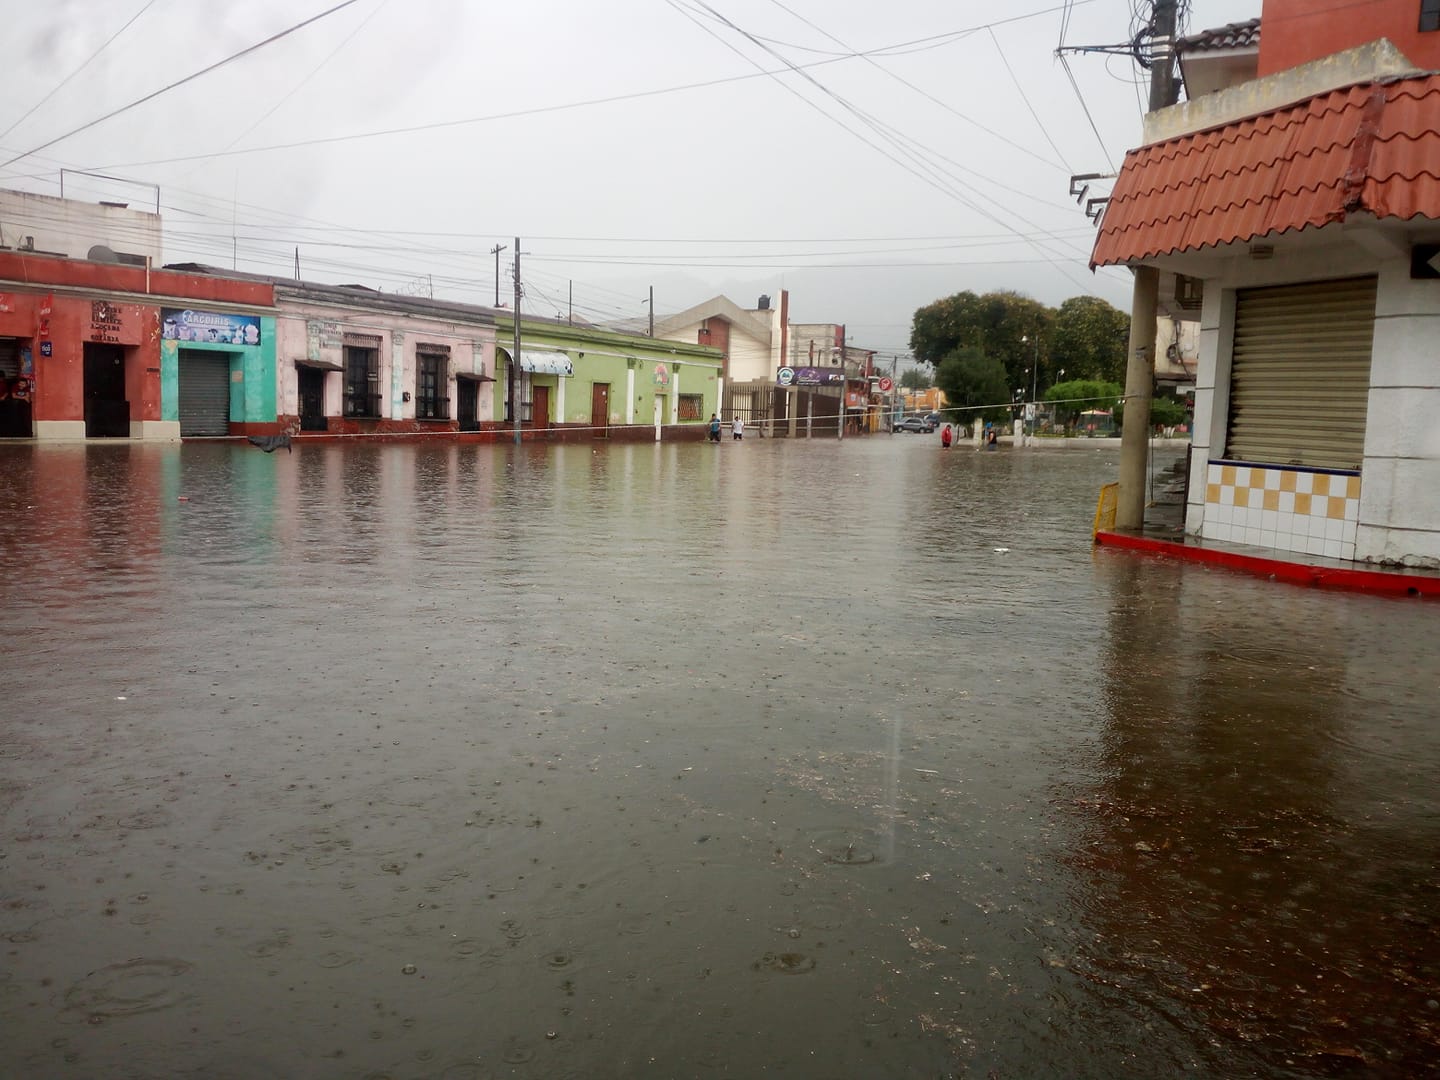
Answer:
(924, 147)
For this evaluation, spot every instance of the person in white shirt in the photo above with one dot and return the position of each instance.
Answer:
(737, 429)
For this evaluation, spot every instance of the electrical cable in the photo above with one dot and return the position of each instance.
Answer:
(181, 82)
(84, 64)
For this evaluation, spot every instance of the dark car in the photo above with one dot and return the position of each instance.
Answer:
(918, 424)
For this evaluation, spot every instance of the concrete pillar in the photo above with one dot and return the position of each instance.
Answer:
(1139, 386)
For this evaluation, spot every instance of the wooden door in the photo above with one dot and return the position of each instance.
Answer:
(540, 406)
(600, 409)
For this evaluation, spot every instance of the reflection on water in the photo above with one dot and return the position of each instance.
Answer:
(822, 759)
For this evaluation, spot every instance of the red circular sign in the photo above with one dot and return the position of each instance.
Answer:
(885, 384)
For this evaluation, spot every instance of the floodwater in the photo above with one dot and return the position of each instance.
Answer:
(774, 758)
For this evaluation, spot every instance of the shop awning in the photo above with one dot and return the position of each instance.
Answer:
(473, 376)
(318, 365)
(542, 362)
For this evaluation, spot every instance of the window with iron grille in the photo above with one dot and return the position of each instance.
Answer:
(431, 383)
(1429, 15)
(362, 381)
(692, 407)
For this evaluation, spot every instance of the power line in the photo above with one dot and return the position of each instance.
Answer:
(934, 41)
(181, 82)
(86, 63)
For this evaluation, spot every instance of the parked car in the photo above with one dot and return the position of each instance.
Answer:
(918, 424)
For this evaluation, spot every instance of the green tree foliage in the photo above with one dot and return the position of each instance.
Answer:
(1091, 339)
(1075, 396)
(1004, 325)
(975, 385)
(1164, 412)
(916, 379)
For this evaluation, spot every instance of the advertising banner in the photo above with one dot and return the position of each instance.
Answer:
(810, 376)
(211, 326)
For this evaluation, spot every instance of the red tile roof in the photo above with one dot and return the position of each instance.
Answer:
(1371, 147)
(1235, 35)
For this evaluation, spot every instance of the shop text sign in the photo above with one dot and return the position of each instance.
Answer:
(107, 322)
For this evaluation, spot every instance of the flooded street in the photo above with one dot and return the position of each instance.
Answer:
(778, 758)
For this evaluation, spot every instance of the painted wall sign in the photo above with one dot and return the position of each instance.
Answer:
(107, 321)
(662, 376)
(187, 325)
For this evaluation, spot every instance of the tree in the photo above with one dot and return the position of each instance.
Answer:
(1075, 396)
(1004, 325)
(916, 379)
(1091, 339)
(1164, 412)
(975, 385)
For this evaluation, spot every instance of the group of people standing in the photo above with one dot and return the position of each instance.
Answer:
(737, 428)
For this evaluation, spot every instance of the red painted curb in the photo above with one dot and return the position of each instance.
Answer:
(1395, 583)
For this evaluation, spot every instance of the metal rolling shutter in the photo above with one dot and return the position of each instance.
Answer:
(9, 357)
(204, 393)
(1300, 374)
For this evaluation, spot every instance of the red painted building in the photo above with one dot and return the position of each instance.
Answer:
(80, 344)
(1299, 31)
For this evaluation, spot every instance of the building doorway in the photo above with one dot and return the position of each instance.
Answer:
(312, 399)
(204, 393)
(467, 404)
(540, 406)
(15, 392)
(600, 409)
(107, 412)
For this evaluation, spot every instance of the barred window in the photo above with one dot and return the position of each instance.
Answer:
(692, 407)
(431, 382)
(362, 381)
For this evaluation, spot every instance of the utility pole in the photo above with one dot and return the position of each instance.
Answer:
(1140, 368)
(496, 252)
(515, 356)
(652, 310)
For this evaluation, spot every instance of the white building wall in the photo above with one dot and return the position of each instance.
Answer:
(1394, 517)
(472, 349)
(1400, 492)
(71, 227)
(750, 358)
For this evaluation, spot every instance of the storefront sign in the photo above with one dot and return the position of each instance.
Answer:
(107, 322)
(810, 376)
(47, 348)
(5, 304)
(212, 326)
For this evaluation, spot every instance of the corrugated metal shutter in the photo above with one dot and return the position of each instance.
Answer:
(1300, 374)
(9, 357)
(204, 393)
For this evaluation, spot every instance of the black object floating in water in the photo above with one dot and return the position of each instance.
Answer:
(271, 443)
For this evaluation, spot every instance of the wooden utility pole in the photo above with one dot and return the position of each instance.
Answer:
(515, 356)
(1140, 366)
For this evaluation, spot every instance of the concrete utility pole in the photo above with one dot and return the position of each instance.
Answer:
(652, 310)
(515, 356)
(1140, 368)
(496, 252)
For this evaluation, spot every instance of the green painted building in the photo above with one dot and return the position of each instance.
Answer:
(598, 382)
